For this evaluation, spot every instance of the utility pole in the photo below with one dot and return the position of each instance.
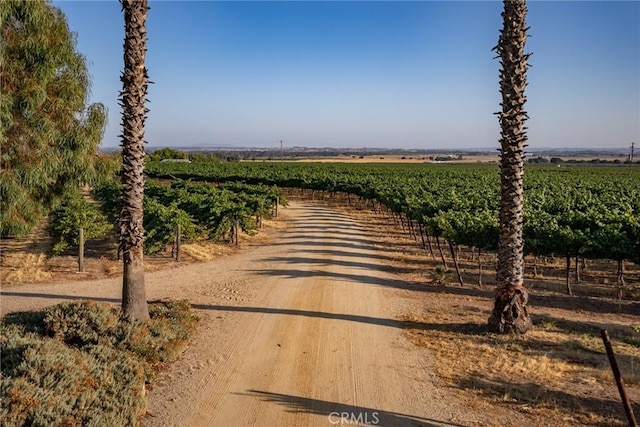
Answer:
(633, 145)
(281, 151)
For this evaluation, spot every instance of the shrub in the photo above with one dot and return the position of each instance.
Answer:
(82, 363)
(54, 384)
(164, 337)
(82, 323)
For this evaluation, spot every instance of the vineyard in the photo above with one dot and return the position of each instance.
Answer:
(575, 213)
(202, 211)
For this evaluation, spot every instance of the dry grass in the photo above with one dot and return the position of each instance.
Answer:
(25, 260)
(204, 251)
(28, 268)
(275, 223)
(555, 374)
(111, 267)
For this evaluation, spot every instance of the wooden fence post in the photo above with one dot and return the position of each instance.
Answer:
(81, 251)
(616, 373)
(178, 238)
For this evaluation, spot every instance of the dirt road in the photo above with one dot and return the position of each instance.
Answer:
(300, 332)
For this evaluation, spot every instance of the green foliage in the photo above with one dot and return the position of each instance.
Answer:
(107, 168)
(440, 275)
(593, 212)
(164, 337)
(160, 223)
(49, 137)
(204, 158)
(633, 338)
(82, 324)
(66, 221)
(57, 385)
(215, 210)
(168, 154)
(90, 323)
(81, 363)
(202, 210)
(109, 193)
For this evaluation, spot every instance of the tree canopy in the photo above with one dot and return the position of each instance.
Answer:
(49, 136)
(168, 154)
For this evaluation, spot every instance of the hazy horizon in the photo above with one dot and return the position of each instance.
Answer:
(622, 150)
(413, 75)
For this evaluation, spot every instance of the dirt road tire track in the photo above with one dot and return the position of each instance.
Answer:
(291, 335)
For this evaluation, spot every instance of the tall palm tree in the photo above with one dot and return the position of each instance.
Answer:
(510, 314)
(133, 97)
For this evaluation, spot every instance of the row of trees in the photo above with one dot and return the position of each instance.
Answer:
(170, 154)
(201, 211)
(591, 213)
(585, 213)
(50, 136)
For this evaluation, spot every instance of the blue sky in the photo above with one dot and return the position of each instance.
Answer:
(415, 74)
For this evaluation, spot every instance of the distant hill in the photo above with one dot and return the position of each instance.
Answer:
(307, 152)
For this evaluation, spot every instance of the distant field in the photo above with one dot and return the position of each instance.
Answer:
(394, 159)
(418, 159)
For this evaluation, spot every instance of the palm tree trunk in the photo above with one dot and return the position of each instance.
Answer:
(133, 97)
(510, 314)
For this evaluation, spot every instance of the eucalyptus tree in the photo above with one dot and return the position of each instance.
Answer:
(510, 313)
(48, 135)
(135, 81)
